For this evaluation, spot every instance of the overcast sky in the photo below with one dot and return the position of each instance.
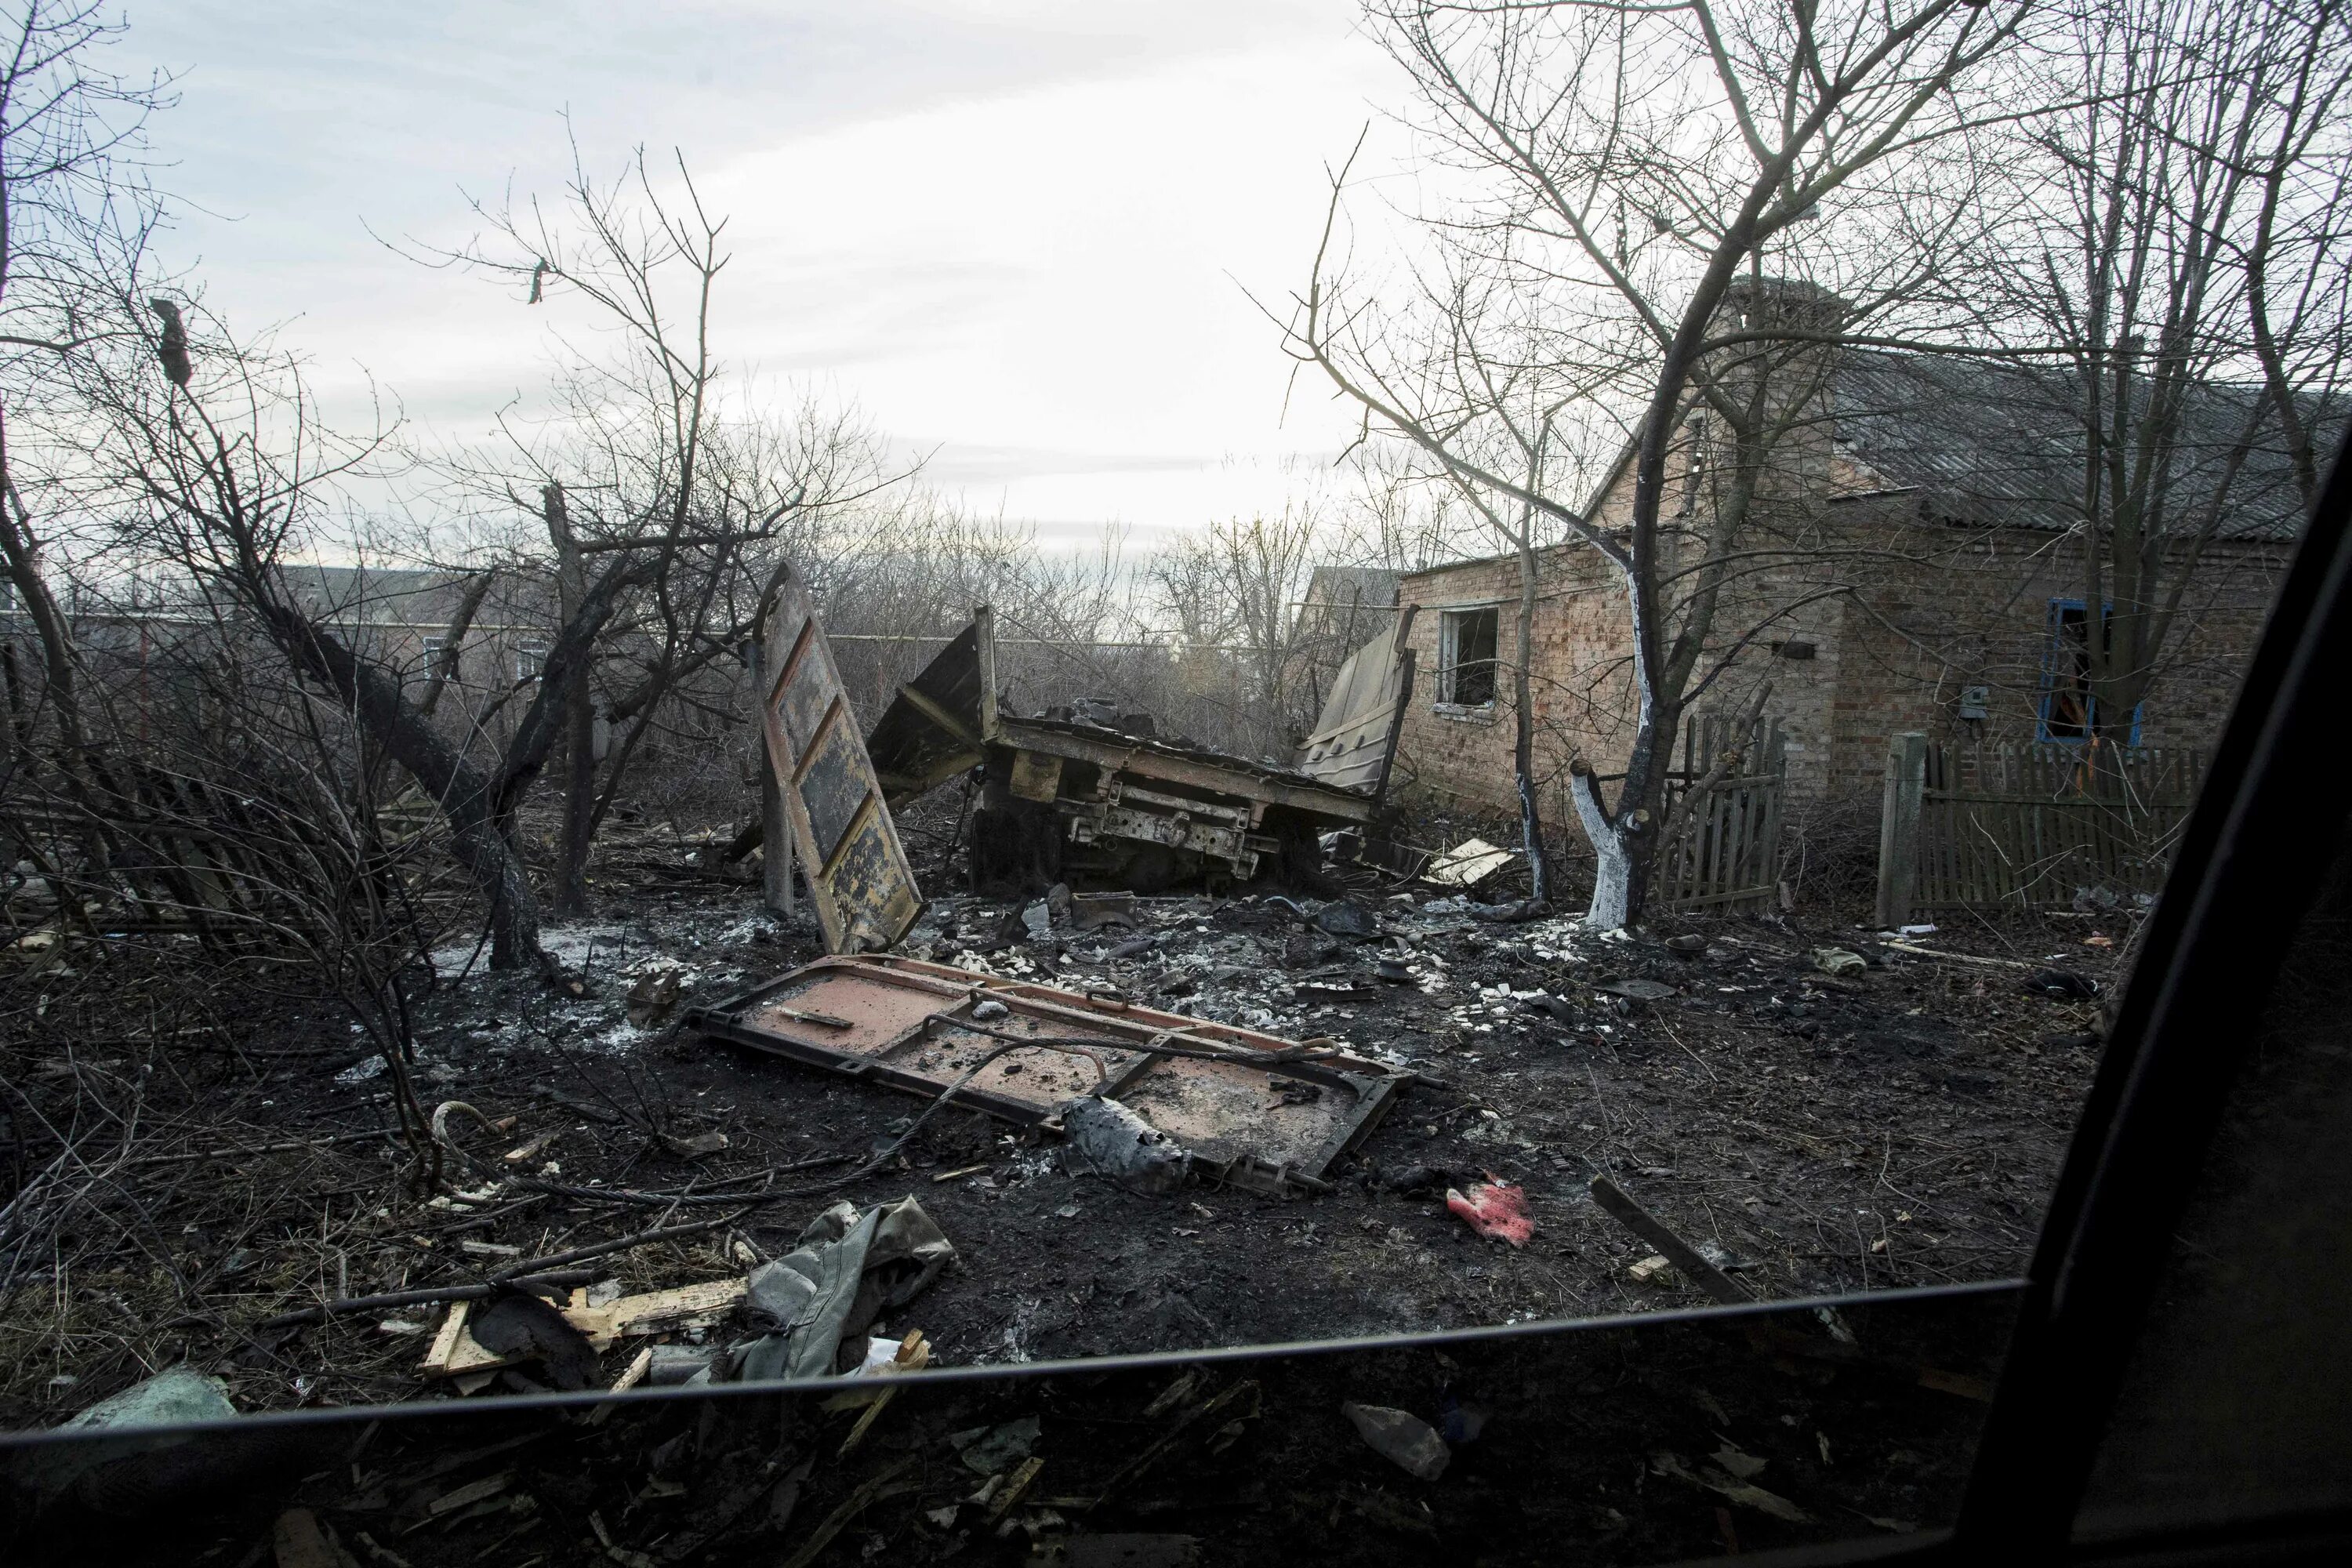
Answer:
(1016, 231)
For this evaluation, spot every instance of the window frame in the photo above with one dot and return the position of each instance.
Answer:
(2048, 696)
(531, 660)
(1450, 663)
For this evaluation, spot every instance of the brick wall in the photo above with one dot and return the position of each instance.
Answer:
(1974, 610)
(1932, 610)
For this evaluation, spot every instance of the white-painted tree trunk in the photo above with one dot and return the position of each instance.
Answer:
(1612, 871)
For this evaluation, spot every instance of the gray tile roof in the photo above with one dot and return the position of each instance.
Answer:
(1337, 585)
(1997, 444)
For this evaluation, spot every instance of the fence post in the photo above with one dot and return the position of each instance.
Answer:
(1898, 826)
(775, 829)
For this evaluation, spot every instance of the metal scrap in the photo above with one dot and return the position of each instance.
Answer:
(857, 872)
(1065, 794)
(1215, 1089)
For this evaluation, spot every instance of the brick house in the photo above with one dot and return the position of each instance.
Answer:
(1922, 573)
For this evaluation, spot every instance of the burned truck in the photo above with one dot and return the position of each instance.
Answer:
(1084, 799)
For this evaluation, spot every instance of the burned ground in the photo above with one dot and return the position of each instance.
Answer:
(1811, 1132)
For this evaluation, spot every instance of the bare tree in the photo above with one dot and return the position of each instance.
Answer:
(659, 506)
(73, 213)
(2185, 256)
(1646, 180)
(1238, 585)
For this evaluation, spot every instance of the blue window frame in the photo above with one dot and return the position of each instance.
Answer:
(2069, 713)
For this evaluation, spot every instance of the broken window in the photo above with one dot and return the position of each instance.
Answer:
(530, 659)
(2069, 711)
(1466, 656)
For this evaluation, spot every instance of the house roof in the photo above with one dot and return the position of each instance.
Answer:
(2002, 444)
(1992, 444)
(367, 592)
(1337, 586)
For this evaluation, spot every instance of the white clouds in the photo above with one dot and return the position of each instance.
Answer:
(1017, 227)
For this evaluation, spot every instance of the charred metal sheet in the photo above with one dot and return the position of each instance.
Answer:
(857, 873)
(1355, 738)
(1037, 776)
(1271, 1126)
(934, 727)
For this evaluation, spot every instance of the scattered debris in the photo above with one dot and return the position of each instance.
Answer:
(1407, 1441)
(701, 1146)
(300, 1540)
(1093, 911)
(654, 996)
(1693, 1264)
(1759, 1085)
(1466, 865)
(655, 1312)
(1494, 1210)
(1344, 919)
(993, 1450)
(1744, 1493)
(1112, 1140)
(2062, 984)
(1738, 1463)
(520, 1329)
(1395, 863)
(1636, 989)
(1653, 1270)
(169, 1398)
(1839, 961)
(847, 1269)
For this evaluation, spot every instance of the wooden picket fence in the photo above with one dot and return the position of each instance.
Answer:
(155, 850)
(2028, 827)
(1722, 848)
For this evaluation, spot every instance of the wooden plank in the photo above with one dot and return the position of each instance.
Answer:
(1898, 841)
(455, 1352)
(655, 1311)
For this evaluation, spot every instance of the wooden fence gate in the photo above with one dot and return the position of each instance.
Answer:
(2027, 826)
(1722, 848)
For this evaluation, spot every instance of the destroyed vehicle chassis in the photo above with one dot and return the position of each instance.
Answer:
(1268, 1126)
(1065, 800)
(1101, 828)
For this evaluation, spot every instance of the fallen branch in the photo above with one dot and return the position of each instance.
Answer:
(538, 1271)
(1918, 951)
(1678, 1252)
(263, 1149)
(423, 1297)
(606, 1249)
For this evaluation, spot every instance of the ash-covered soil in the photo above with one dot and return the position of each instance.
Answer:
(1812, 1131)
(1897, 1127)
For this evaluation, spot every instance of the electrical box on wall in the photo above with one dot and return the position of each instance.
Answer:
(1975, 702)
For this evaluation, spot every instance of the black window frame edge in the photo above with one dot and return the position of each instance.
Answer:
(2241, 881)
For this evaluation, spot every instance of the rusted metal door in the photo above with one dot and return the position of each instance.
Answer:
(857, 873)
(1253, 1110)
